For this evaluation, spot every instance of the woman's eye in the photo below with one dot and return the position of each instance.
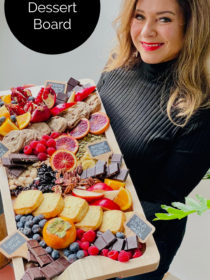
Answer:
(139, 17)
(165, 19)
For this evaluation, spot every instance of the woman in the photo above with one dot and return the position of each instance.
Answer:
(156, 91)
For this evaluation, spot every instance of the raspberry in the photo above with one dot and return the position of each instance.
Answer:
(123, 256)
(27, 150)
(80, 232)
(55, 135)
(105, 252)
(44, 142)
(90, 235)
(50, 151)
(83, 239)
(35, 152)
(93, 251)
(42, 156)
(85, 252)
(40, 148)
(51, 143)
(85, 245)
(112, 255)
(130, 253)
(45, 137)
(137, 253)
(33, 144)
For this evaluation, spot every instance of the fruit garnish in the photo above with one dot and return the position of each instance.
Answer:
(4, 112)
(30, 106)
(99, 122)
(15, 109)
(7, 126)
(79, 96)
(60, 108)
(106, 204)
(6, 98)
(100, 187)
(23, 120)
(49, 97)
(28, 150)
(40, 114)
(123, 199)
(20, 95)
(67, 142)
(63, 160)
(81, 130)
(114, 184)
(59, 233)
(89, 196)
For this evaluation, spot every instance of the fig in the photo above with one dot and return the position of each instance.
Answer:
(40, 114)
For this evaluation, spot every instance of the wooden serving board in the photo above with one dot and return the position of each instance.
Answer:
(91, 267)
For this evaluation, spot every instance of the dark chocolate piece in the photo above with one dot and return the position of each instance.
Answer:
(112, 169)
(108, 237)
(57, 266)
(15, 171)
(118, 244)
(32, 244)
(48, 271)
(84, 174)
(72, 83)
(63, 261)
(117, 158)
(132, 242)
(26, 277)
(31, 257)
(6, 161)
(61, 98)
(125, 245)
(100, 243)
(122, 176)
(44, 259)
(91, 172)
(35, 273)
(99, 170)
(38, 251)
(22, 158)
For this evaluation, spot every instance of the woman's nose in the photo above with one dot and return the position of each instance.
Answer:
(149, 29)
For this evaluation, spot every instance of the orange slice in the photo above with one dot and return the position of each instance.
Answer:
(81, 130)
(66, 142)
(99, 122)
(123, 199)
(4, 112)
(114, 184)
(6, 98)
(23, 120)
(63, 160)
(7, 126)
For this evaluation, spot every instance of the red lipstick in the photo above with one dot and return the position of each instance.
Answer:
(151, 46)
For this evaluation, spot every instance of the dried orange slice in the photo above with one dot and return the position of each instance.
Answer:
(23, 120)
(66, 142)
(99, 122)
(63, 160)
(4, 112)
(123, 199)
(81, 130)
(59, 232)
(6, 98)
(7, 126)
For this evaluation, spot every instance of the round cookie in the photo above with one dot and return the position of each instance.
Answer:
(58, 124)
(29, 135)
(14, 141)
(41, 128)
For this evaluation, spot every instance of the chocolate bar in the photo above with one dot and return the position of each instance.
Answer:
(35, 273)
(84, 174)
(55, 268)
(61, 98)
(97, 171)
(118, 244)
(48, 272)
(63, 261)
(44, 259)
(100, 243)
(132, 242)
(32, 244)
(108, 237)
(112, 170)
(122, 176)
(117, 158)
(38, 251)
(15, 171)
(31, 257)
(72, 83)
(91, 172)
(26, 276)
(22, 158)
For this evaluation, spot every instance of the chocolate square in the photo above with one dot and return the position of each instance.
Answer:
(31, 257)
(44, 259)
(132, 242)
(48, 271)
(26, 277)
(38, 251)
(35, 273)
(72, 83)
(84, 174)
(57, 266)
(99, 170)
(108, 237)
(61, 98)
(122, 176)
(118, 244)
(112, 169)
(91, 172)
(22, 158)
(32, 244)
(100, 243)
(117, 158)
(15, 171)
(63, 261)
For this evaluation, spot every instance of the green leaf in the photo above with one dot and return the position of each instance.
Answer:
(182, 206)
(208, 204)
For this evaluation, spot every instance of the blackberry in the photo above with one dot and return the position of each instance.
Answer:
(46, 178)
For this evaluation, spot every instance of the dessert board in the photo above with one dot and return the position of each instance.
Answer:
(91, 267)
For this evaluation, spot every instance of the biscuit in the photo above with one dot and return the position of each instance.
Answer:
(92, 219)
(113, 220)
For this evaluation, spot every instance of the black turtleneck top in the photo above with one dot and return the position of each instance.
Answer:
(166, 162)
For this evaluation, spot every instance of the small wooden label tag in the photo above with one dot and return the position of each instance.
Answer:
(14, 245)
(57, 86)
(140, 226)
(100, 150)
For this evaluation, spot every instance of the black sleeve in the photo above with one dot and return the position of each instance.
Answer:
(188, 162)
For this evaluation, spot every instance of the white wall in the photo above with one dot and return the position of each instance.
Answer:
(19, 65)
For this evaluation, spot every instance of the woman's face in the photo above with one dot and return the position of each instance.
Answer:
(157, 30)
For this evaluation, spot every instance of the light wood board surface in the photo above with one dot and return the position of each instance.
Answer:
(92, 267)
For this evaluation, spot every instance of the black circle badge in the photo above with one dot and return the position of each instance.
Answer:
(52, 26)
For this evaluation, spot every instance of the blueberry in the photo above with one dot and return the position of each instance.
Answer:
(23, 219)
(66, 252)
(41, 217)
(42, 244)
(120, 235)
(72, 258)
(1, 103)
(42, 223)
(14, 102)
(36, 237)
(13, 118)
(27, 231)
(29, 224)
(20, 225)
(2, 119)
(17, 218)
(49, 250)
(29, 218)
(80, 254)
(55, 254)
(21, 229)
(36, 228)
(31, 98)
(74, 247)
